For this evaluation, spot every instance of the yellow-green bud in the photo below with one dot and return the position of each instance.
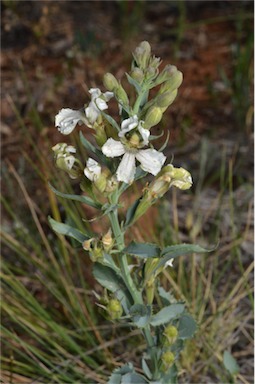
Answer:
(110, 82)
(100, 134)
(121, 95)
(107, 240)
(114, 309)
(171, 333)
(101, 181)
(180, 178)
(167, 359)
(167, 73)
(173, 83)
(166, 99)
(137, 74)
(152, 117)
(142, 54)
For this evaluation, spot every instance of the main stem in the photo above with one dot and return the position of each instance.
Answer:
(136, 294)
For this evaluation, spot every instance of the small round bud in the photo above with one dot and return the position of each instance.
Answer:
(110, 82)
(114, 309)
(173, 83)
(137, 74)
(167, 360)
(142, 54)
(153, 117)
(171, 333)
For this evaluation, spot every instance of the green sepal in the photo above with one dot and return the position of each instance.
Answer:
(143, 250)
(166, 314)
(140, 314)
(67, 230)
(82, 199)
(112, 281)
(187, 327)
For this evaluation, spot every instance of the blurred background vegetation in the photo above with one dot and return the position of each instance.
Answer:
(52, 53)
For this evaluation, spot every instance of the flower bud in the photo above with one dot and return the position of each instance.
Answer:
(180, 177)
(152, 117)
(167, 359)
(100, 182)
(110, 82)
(100, 134)
(166, 99)
(173, 83)
(114, 309)
(137, 74)
(171, 333)
(121, 95)
(142, 54)
(107, 240)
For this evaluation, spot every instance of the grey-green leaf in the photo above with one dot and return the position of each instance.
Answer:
(187, 327)
(142, 250)
(166, 314)
(82, 199)
(112, 281)
(67, 230)
(140, 314)
(230, 363)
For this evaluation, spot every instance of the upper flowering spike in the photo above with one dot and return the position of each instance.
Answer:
(142, 54)
(67, 119)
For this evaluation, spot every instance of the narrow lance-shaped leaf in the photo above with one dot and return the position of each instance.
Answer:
(142, 250)
(67, 230)
(82, 199)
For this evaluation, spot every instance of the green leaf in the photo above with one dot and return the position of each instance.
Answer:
(142, 250)
(146, 369)
(67, 230)
(82, 199)
(166, 297)
(230, 363)
(112, 281)
(134, 83)
(187, 327)
(131, 212)
(91, 148)
(110, 120)
(126, 375)
(140, 314)
(166, 314)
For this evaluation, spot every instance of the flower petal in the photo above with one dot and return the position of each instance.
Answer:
(128, 124)
(92, 112)
(126, 169)
(108, 95)
(151, 160)
(67, 119)
(95, 93)
(145, 133)
(101, 104)
(113, 148)
(92, 170)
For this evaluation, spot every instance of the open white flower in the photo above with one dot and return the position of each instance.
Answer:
(151, 160)
(92, 170)
(97, 104)
(169, 263)
(67, 119)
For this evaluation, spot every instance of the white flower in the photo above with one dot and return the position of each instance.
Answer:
(151, 160)
(67, 119)
(97, 104)
(92, 170)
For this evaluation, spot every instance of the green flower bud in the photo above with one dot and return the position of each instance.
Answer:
(152, 117)
(180, 178)
(100, 182)
(114, 309)
(167, 73)
(100, 134)
(166, 99)
(173, 83)
(167, 359)
(137, 74)
(171, 333)
(110, 82)
(121, 95)
(142, 54)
